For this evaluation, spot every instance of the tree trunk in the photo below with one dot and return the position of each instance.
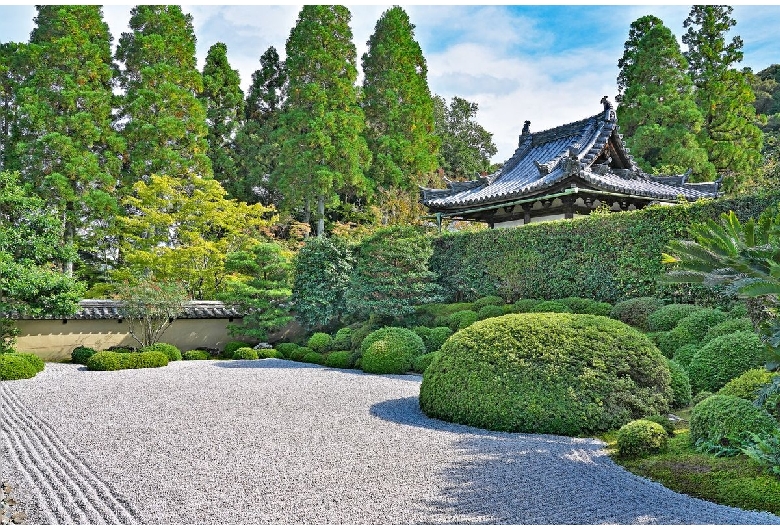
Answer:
(321, 216)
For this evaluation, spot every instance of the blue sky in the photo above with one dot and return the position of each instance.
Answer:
(549, 64)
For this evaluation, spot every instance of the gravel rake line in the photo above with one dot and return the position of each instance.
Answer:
(56, 469)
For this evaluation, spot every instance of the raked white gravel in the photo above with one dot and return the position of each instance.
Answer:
(271, 441)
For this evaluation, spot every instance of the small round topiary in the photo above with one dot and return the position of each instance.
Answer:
(195, 355)
(546, 373)
(486, 301)
(173, 353)
(80, 354)
(681, 385)
(15, 366)
(246, 354)
(400, 343)
(525, 305)
(231, 347)
(399, 337)
(268, 353)
(698, 323)
(342, 340)
(684, 355)
(145, 359)
(490, 311)
(338, 359)
(105, 361)
(300, 354)
(725, 422)
(419, 364)
(641, 437)
(319, 342)
(382, 357)
(728, 327)
(313, 357)
(286, 349)
(551, 306)
(461, 319)
(671, 341)
(636, 311)
(667, 317)
(724, 358)
(748, 385)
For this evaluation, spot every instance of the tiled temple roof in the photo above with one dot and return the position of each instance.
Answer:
(590, 149)
(90, 309)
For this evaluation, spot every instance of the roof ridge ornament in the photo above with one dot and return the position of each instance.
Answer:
(609, 110)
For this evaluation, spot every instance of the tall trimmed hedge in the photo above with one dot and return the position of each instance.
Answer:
(603, 257)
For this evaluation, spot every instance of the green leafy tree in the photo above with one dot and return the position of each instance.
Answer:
(260, 287)
(391, 274)
(323, 150)
(397, 104)
(322, 270)
(639, 28)
(466, 147)
(257, 149)
(164, 124)
(729, 133)
(68, 147)
(658, 112)
(181, 230)
(14, 69)
(150, 307)
(224, 103)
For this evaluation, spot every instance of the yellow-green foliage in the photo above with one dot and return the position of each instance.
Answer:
(109, 360)
(245, 353)
(195, 355)
(724, 423)
(546, 373)
(641, 437)
(16, 365)
(724, 358)
(748, 385)
(319, 342)
(338, 359)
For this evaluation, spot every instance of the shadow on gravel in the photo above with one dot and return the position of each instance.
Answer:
(263, 363)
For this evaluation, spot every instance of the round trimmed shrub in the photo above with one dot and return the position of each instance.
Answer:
(419, 364)
(172, 352)
(401, 338)
(551, 306)
(641, 437)
(667, 317)
(684, 355)
(698, 323)
(300, 354)
(338, 359)
(671, 341)
(701, 396)
(313, 357)
(490, 311)
(725, 422)
(546, 373)
(486, 301)
(232, 346)
(80, 354)
(636, 311)
(106, 360)
(681, 385)
(286, 349)
(599, 308)
(462, 319)
(319, 342)
(748, 385)
(382, 357)
(15, 366)
(436, 338)
(245, 354)
(268, 353)
(342, 340)
(525, 305)
(724, 358)
(195, 355)
(728, 327)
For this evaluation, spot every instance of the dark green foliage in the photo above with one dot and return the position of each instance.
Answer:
(700, 322)
(724, 358)
(488, 377)
(109, 360)
(769, 397)
(636, 311)
(320, 342)
(419, 364)
(584, 306)
(681, 385)
(738, 311)
(301, 353)
(437, 314)
(551, 306)
(391, 274)
(80, 354)
(246, 354)
(313, 357)
(466, 147)
(172, 352)
(748, 385)
(342, 340)
(607, 258)
(721, 424)
(641, 437)
(195, 355)
(664, 422)
(231, 347)
(386, 356)
(685, 354)
(490, 311)
(433, 337)
(478, 304)
(461, 319)
(671, 341)
(359, 334)
(19, 366)
(765, 449)
(667, 317)
(727, 327)
(525, 305)
(701, 396)
(338, 359)
(322, 273)
(286, 349)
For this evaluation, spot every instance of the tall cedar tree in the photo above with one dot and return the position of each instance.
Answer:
(323, 150)
(223, 100)
(398, 105)
(639, 28)
(466, 147)
(257, 151)
(658, 113)
(730, 135)
(164, 123)
(68, 148)
(13, 71)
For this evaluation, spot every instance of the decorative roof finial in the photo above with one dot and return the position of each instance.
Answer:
(609, 110)
(526, 127)
(605, 101)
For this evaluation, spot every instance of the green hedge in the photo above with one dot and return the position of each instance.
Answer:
(723, 424)
(602, 257)
(15, 365)
(172, 352)
(105, 361)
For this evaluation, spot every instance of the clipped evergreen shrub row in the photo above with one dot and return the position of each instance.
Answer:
(195, 355)
(172, 352)
(110, 360)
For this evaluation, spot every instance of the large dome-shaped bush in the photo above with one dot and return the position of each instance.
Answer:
(748, 385)
(724, 358)
(667, 317)
(546, 373)
(723, 423)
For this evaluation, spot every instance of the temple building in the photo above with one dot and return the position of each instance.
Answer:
(563, 173)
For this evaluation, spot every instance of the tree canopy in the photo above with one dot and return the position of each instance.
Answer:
(466, 147)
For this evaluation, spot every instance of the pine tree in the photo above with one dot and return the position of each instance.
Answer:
(322, 150)
(636, 33)
(658, 113)
(398, 105)
(223, 100)
(164, 123)
(67, 147)
(729, 133)
(256, 148)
